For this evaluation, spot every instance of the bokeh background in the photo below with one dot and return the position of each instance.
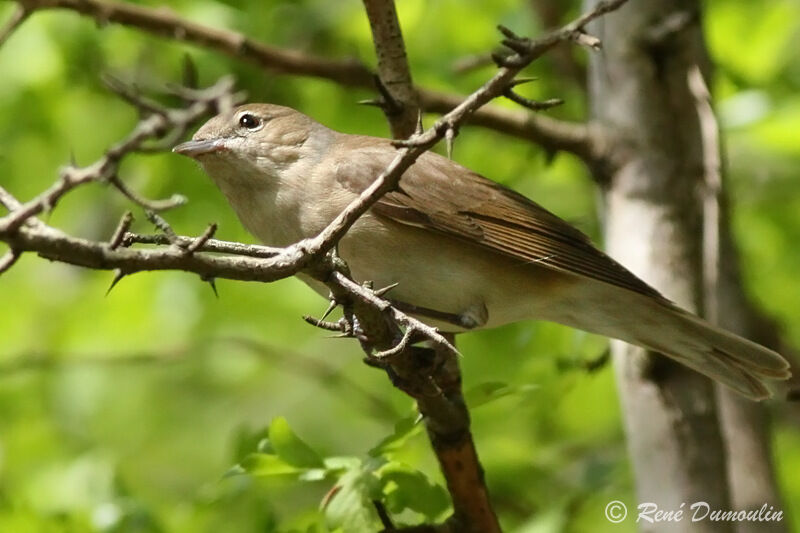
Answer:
(122, 413)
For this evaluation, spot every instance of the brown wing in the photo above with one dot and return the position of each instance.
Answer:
(440, 195)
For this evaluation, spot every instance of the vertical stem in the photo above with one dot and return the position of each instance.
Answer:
(455, 450)
(402, 103)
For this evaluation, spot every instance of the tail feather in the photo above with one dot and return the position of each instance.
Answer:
(741, 364)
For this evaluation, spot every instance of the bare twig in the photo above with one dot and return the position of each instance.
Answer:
(176, 200)
(202, 239)
(122, 228)
(131, 94)
(105, 168)
(160, 223)
(211, 245)
(533, 105)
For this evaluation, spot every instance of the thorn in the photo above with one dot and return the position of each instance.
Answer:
(331, 306)
(381, 292)
(507, 32)
(189, 73)
(213, 283)
(118, 275)
(520, 81)
(420, 128)
(499, 58)
(449, 135)
(72, 161)
(516, 45)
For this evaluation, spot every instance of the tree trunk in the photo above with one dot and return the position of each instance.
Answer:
(653, 225)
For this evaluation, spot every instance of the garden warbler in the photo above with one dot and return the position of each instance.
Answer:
(464, 251)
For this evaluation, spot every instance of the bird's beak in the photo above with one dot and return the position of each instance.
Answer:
(200, 147)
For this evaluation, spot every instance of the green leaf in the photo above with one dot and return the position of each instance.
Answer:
(246, 440)
(264, 464)
(341, 464)
(407, 488)
(404, 429)
(484, 393)
(290, 448)
(350, 507)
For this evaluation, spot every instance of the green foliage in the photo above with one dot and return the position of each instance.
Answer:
(358, 481)
(123, 413)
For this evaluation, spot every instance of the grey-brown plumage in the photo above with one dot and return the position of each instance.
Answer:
(466, 252)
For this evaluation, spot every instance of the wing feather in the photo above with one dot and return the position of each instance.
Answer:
(442, 196)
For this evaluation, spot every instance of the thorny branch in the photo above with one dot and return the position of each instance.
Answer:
(387, 335)
(153, 126)
(586, 141)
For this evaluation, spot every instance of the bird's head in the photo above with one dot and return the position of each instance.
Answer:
(253, 141)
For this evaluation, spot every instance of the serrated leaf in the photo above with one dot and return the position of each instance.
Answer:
(488, 392)
(290, 448)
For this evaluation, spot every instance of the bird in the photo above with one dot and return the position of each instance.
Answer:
(464, 252)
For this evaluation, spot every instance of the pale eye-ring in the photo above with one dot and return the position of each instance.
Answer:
(249, 121)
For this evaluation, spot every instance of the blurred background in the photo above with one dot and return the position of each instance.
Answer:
(122, 413)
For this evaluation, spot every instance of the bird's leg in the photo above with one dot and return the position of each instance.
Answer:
(473, 317)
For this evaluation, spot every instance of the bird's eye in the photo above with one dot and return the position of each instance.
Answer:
(251, 122)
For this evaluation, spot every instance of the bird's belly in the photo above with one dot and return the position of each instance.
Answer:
(447, 280)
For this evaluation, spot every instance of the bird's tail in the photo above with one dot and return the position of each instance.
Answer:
(659, 326)
(740, 364)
